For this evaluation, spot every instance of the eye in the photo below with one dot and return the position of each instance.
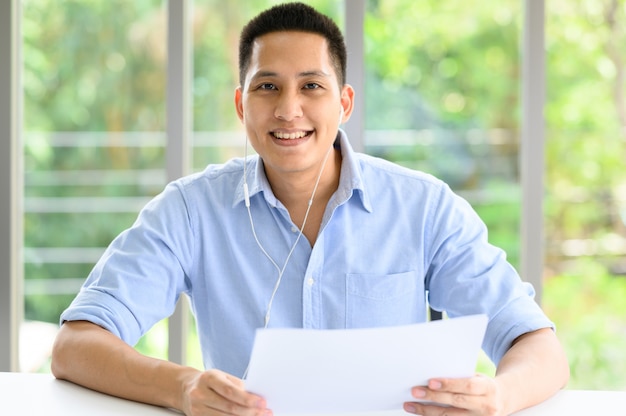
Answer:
(267, 86)
(311, 86)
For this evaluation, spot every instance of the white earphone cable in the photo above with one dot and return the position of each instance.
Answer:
(280, 270)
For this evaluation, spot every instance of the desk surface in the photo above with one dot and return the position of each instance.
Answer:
(41, 394)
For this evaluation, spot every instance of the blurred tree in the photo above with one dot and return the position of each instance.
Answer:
(586, 122)
(94, 65)
(91, 70)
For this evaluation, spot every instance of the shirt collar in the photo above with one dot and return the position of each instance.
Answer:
(256, 179)
(350, 179)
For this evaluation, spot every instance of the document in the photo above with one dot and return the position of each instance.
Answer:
(304, 371)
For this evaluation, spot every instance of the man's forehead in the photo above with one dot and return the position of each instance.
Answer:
(270, 51)
(284, 40)
(291, 36)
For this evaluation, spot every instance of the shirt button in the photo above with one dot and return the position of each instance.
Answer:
(310, 281)
(294, 229)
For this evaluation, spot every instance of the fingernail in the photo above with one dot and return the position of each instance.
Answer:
(434, 384)
(410, 408)
(419, 393)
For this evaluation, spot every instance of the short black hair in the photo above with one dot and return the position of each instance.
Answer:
(296, 17)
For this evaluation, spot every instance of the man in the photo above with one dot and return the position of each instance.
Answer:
(310, 231)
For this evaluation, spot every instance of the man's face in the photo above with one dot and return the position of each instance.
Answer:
(291, 104)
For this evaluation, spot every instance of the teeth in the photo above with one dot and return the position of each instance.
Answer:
(290, 136)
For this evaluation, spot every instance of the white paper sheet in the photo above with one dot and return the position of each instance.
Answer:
(301, 371)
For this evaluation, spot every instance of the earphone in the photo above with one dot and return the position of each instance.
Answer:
(280, 270)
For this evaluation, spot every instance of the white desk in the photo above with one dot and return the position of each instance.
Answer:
(24, 394)
(27, 394)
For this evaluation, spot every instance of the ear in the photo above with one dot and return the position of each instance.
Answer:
(239, 103)
(347, 102)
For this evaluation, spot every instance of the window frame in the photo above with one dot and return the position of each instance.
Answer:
(11, 184)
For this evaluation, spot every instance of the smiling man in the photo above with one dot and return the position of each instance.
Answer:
(291, 101)
(306, 234)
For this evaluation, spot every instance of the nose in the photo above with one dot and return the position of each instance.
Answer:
(288, 106)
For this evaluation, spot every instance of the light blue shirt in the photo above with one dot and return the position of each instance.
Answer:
(391, 239)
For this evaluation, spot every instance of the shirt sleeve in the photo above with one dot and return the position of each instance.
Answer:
(467, 275)
(140, 276)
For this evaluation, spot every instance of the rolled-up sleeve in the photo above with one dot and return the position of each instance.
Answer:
(467, 275)
(142, 273)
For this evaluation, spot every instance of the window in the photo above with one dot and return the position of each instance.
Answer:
(585, 207)
(93, 134)
(441, 91)
(442, 96)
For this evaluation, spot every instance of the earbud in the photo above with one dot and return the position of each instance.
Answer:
(341, 114)
(246, 194)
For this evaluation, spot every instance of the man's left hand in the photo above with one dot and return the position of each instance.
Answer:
(478, 395)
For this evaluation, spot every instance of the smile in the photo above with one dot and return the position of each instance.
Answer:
(291, 135)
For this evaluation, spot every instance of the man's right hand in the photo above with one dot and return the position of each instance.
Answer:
(215, 392)
(91, 356)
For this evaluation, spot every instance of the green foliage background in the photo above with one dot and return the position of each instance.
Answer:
(446, 72)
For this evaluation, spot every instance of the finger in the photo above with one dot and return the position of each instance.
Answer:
(477, 395)
(207, 401)
(233, 389)
(446, 398)
(424, 409)
(234, 398)
(477, 385)
(215, 404)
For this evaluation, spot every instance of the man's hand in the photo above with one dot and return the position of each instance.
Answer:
(533, 369)
(215, 392)
(478, 395)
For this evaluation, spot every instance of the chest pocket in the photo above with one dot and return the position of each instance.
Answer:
(374, 300)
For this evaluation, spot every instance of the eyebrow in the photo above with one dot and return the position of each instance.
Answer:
(304, 74)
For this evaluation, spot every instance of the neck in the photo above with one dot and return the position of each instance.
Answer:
(296, 191)
(297, 188)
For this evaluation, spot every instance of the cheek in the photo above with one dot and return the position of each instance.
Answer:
(254, 125)
(255, 113)
(249, 117)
